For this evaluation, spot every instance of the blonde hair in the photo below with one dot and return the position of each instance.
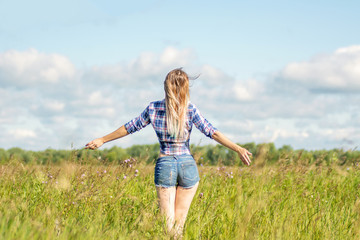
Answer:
(176, 86)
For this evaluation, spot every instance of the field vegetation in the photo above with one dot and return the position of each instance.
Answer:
(110, 194)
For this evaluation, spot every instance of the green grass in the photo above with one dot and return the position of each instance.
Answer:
(74, 201)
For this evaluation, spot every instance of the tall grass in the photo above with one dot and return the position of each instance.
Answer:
(79, 201)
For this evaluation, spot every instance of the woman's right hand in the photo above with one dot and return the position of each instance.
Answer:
(244, 155)
(94, 144)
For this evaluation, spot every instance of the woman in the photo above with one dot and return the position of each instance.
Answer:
(176, 174)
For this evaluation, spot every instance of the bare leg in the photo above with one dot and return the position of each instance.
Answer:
(184, 197)
(166, 199)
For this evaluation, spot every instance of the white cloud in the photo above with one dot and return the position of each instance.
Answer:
(31, 67)
(212, 77)
(144, 71)
(22, 133)
(339, 71)
(54, 105)
(173, 57)
(97, 99)
(248, 90)
(284, 133)
(277, 130)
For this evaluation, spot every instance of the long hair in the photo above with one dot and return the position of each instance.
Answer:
(176, 86)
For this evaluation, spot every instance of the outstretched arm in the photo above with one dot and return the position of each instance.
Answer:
(242, 152)
(119, 133)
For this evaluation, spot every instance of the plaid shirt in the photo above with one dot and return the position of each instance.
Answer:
(155, 114)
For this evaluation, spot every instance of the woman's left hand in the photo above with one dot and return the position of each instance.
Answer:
(94, 144)
(244, 155)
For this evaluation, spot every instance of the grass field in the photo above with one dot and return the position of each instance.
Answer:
(77, 201)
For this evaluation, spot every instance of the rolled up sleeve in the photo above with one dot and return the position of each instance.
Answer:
(202, 124)
(139, 122)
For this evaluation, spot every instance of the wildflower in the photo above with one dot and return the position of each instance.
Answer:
(56, 182)
(104, 171)
(201, 195)
(201, 158)
(201, 165)
(73, 203)
(348, 169)
(130, 165)
(136, 171)
(124, 176)
(83, 175)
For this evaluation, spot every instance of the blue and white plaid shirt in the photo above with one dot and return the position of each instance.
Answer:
(155, 114)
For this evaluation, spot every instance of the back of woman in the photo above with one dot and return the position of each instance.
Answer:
(171, 144)
(176, 174)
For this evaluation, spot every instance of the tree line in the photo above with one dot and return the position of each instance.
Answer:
(211, 155)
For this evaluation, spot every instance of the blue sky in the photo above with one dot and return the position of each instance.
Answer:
(270, 70)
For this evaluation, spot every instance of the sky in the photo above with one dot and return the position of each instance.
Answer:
(269, 71)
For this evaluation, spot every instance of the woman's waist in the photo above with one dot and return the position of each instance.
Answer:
(161, 155)
(173, 144)
(174, 148)
(183, 158)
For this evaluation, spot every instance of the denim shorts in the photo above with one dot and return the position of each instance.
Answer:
(176, 170)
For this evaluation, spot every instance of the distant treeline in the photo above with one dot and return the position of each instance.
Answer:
(212, 155)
